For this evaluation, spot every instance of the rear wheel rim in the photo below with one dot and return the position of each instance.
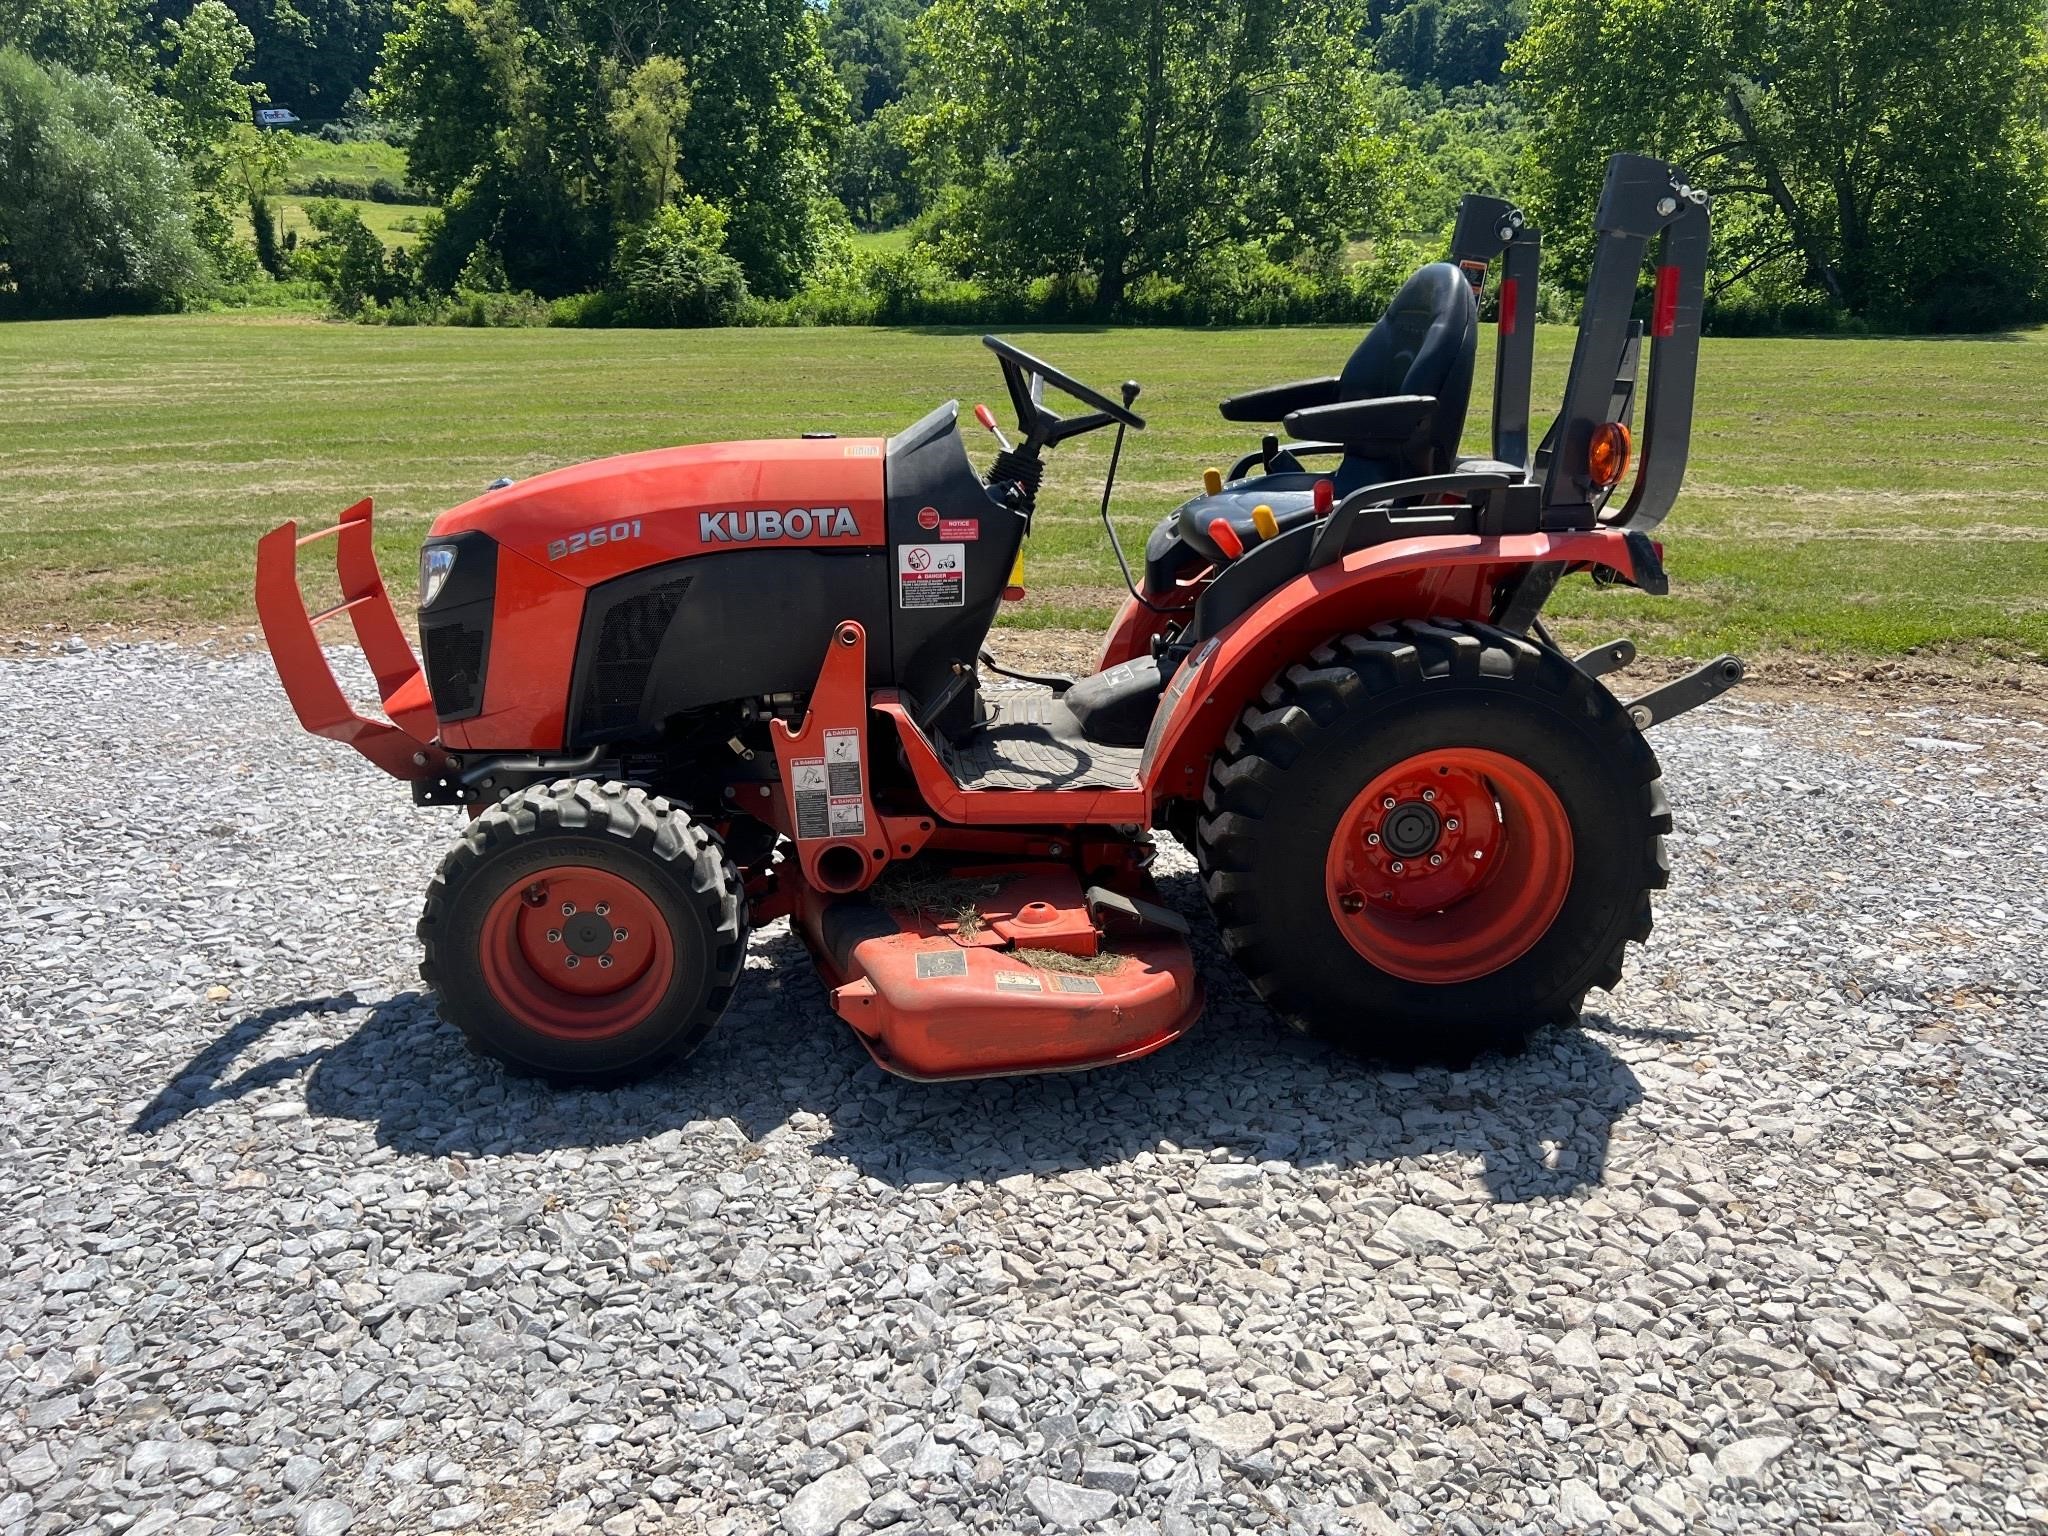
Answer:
(1450, 865)
(576, 952)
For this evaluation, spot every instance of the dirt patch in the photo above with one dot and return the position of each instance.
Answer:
(1964, 682)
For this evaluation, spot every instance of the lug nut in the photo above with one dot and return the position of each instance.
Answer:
(1372, 839)
(604, 909)
(618, 935)
(554, 935)
(1450, 823)
(1398, 866)
(568, 909)
(1429, 794)
(604, 962)
(572, 962)
(1435, 860)
(1387, 804)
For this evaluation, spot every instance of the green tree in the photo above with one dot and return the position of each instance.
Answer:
(1121, 141)
(646, 121)
(673, 270)
(875, 173)
(868, 44)
(519, 128)
(103, 37)
(206, 100)
(1886, 155)
(313, 53)
(93, 215)
(206, 113)
(1450, 43)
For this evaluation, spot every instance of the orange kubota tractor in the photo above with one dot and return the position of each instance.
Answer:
(685, 692)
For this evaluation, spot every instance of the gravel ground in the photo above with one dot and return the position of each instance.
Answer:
(1760, 1248)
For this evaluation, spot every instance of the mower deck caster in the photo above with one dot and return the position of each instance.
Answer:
(584, 932)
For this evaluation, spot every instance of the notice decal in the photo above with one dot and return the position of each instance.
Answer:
(960, 530)
(931, 576)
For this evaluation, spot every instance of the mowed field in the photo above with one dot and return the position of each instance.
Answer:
(1851, 497)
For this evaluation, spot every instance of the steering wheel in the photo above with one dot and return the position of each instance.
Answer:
(1026, 377)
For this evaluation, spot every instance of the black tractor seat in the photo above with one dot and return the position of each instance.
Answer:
(1396, 412)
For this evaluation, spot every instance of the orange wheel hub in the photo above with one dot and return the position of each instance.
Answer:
(577, 952)
(1450, 865)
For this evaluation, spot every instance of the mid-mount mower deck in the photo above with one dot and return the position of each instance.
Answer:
(684, 692)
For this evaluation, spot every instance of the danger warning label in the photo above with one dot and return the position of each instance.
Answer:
(842, 761)
(807, 780)
(828, 793)
(931, 576)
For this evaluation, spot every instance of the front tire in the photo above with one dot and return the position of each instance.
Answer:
(1432, 839)
(584, 932)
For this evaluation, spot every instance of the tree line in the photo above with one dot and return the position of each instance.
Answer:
(1876, 163)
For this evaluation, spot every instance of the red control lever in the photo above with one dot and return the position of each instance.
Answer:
(1226, 537)
(987, 418)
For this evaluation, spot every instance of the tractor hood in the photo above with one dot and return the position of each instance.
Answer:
(590, 522)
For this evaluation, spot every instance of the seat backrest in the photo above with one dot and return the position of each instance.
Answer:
(1425, 344)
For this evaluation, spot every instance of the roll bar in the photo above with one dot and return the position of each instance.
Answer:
(1488, 227)
(1643, 199)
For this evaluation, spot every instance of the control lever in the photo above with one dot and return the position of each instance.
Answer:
(987, 418)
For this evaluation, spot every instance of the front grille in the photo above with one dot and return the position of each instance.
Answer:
(628, 641)
(455, 666)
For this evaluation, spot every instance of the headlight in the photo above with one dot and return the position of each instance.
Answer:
(436, 561)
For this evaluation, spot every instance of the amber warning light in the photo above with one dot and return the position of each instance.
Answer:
(1607, 455)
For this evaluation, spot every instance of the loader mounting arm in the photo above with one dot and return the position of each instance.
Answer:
(403, 744)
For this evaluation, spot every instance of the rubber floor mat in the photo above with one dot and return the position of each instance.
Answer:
(1034, 743)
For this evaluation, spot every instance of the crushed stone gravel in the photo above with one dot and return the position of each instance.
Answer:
(1761, 1248)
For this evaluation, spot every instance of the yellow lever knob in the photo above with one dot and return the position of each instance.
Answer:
(1264, 520)
(1212, 481)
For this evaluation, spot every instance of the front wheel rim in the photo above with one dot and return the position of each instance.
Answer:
(1450, 865)
(576, 953)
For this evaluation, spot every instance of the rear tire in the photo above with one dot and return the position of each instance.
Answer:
(584, 932)
(1382, 927)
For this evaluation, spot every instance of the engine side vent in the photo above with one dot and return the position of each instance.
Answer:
(455, 662)
(627, 643)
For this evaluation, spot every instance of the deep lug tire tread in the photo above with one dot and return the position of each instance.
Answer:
(1298, 710)
(650, 825)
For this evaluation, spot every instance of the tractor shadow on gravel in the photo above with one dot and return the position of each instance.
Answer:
(1529, 1126)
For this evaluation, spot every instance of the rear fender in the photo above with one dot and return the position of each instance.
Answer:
(1442, 576)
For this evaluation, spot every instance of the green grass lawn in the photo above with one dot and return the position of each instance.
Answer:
(395, 224)
(882, 242)
(1861, 497)
(361, 160)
